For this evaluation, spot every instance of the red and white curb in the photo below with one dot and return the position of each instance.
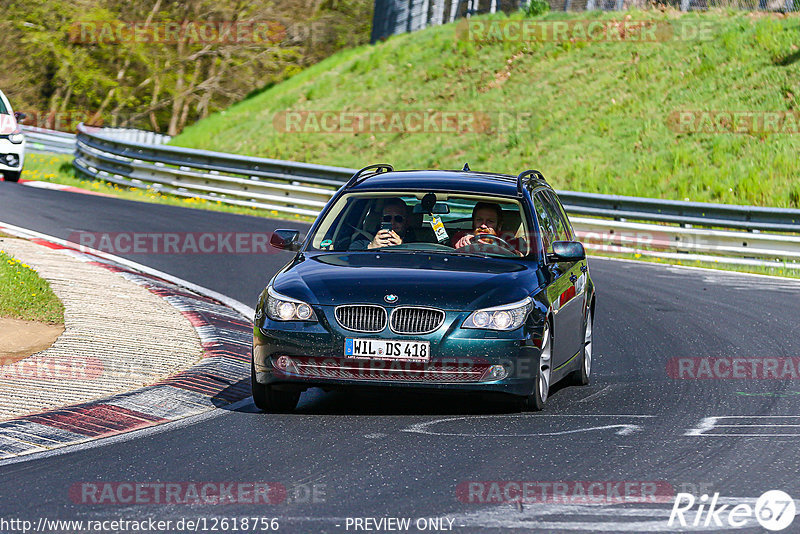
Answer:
(61, 187)
(221, 378)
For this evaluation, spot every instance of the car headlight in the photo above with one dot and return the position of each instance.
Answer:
(507, 317)
(16, 137)
(283, 308)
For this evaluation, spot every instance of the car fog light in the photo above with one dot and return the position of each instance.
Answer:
(286, 310)
(12, 160)
(495, 372)
(284, 363)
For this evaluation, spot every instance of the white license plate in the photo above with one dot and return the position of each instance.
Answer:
(387, 349)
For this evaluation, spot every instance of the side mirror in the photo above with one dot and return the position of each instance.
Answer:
(285, 240)
(19, 115)
(567, 251)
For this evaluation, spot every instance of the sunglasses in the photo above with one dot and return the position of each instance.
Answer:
(397, 218)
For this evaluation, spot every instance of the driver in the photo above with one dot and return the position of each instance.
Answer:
(487, 218)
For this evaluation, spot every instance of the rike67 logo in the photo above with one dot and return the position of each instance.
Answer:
(774, 510)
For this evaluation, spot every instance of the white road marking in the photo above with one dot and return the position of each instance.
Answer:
(45, 185)
(597, 394)
(624, 428)
(765, 422)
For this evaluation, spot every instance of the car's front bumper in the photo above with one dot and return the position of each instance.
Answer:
(12, 155)
(459, 357)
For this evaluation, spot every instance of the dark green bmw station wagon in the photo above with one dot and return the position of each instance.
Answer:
(449, 280)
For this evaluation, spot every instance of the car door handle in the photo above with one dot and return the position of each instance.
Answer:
(573, 278)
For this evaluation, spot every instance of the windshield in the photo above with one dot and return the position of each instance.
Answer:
(424, 221)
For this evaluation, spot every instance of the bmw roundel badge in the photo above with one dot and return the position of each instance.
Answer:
(390, 298)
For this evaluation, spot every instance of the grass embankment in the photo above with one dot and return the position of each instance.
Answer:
(600, 109)
(25, 295)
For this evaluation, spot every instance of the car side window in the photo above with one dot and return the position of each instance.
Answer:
(559, 231)
(546, 223)
(562, 216)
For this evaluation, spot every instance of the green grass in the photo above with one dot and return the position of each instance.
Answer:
(599, 110)
(25, 295)
(58, 169)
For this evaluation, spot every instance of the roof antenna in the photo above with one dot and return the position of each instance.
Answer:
(466, 167)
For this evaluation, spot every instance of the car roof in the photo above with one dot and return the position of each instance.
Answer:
(442, 180)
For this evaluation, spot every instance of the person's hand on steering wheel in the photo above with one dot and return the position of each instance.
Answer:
(478, 242)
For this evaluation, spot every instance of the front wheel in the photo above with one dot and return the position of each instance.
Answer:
(271, 400)
(11, 176)
(535, 401)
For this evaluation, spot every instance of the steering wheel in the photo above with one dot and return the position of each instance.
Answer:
(496, 241)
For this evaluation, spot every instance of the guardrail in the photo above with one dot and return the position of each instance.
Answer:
(303, 188)
(142, 160)
(48, 141)
(44, 141)
(283, 186)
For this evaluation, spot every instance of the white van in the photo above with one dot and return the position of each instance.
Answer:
(12, 141)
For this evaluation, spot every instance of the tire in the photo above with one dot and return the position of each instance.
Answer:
(583, 375)
(535, 402)
(271, 400)
(11, 176)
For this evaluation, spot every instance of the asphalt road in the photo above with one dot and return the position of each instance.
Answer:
(381, 455)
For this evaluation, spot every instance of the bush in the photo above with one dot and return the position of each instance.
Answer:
(536, 8)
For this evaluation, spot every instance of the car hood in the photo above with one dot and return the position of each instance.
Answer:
(448, 282)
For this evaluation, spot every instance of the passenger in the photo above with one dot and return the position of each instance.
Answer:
(395, 211)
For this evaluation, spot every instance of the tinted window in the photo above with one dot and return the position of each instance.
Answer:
(562, 215)
(562, 224)
(546, 222)
(356, 218)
